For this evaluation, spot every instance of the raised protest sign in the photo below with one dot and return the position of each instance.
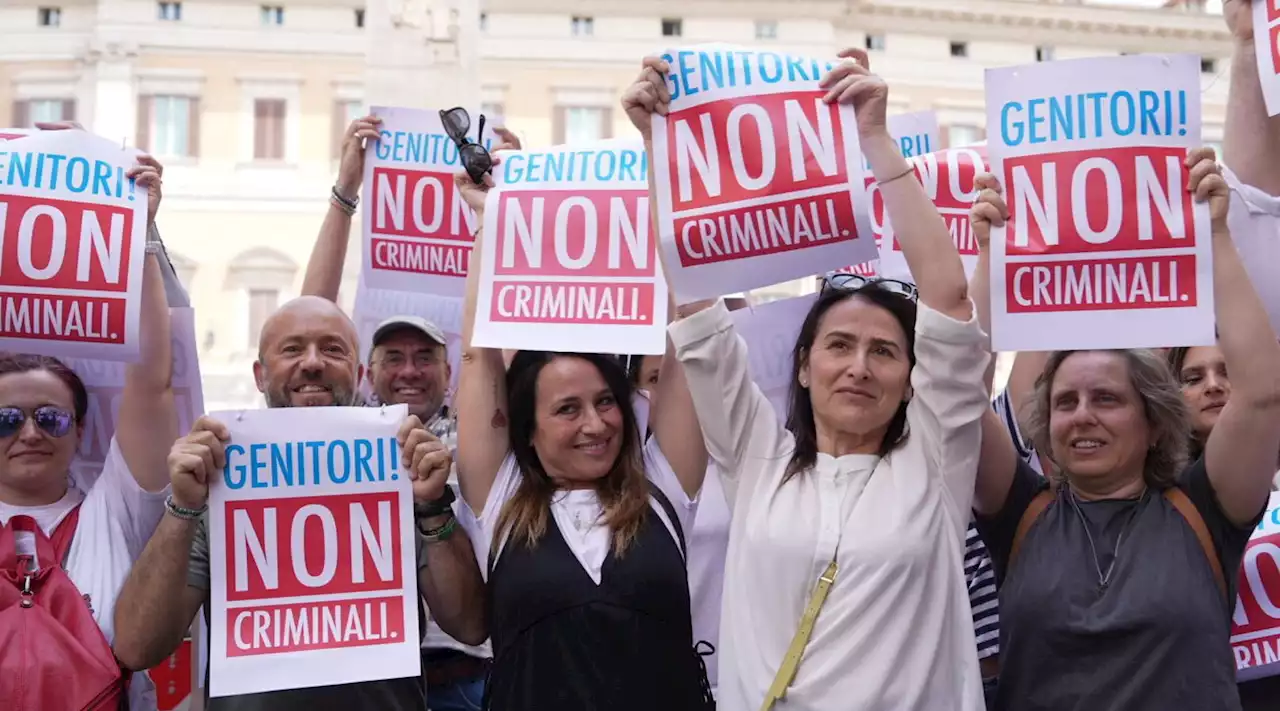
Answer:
(417, 228)
(770, 331)
(758, 179)
(72, 232)
(1255, 628)
(1104, 246)
(312, 561)
(104, 380)
(1266, 36)
(373, 306)
(9, 134)
(568, 260)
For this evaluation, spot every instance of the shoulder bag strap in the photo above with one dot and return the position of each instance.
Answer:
(1189, 512)
(63, 533)
(666, 505)
(791, 662)
(1029, 517)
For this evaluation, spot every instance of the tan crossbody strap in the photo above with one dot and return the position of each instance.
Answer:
(791, 662)
(1034, 509)
(1189, 512)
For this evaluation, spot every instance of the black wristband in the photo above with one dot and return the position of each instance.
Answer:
(439, 507)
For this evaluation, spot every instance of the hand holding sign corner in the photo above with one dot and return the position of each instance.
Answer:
(1206, 183)
(474, 194)
(989, 209)
(194, 459)
(851, 82)
(648, 95)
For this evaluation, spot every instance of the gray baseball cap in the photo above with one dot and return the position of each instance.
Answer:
(416, 323)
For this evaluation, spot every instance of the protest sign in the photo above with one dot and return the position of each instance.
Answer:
(104, 381)
(1104, 246)
(1255, 628)
(72, 232)
(948, 178)
(568, 260)
(174, 678)
(1266, 33)
(313, 571)
(770, 331)
(917, 135)
(758, 179)
(417, 228)
(9, 134)
(373, 306)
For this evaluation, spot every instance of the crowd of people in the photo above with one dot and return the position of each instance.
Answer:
(615, 531)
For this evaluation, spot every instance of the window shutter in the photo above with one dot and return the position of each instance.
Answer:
(193, 127)
(278, 133)
(146, 109)
(606, 122)
(339, 127)
(69, 110)
(260, 112)
(944, 136)
(21, 114)
(558, 127)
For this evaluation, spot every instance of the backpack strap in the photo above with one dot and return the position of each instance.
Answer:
(1037, 506)
(666, 505)
(1179, 499)
(63, 533)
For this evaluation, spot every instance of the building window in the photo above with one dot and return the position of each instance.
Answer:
(1044, 53)
(766, 30)
(49, 16)
(491, 110)
(1208, 65)
(360, 18)
(583, 26)
(963, 135)
(169, 11)
(345, 111)
(582, 124)
(672, 27)
(269, 129)
(26, 114)
(484, 21)
(875, 43)
(262, 303)
(272, 15)
(260, 276)
(960, 49)
(168, 126)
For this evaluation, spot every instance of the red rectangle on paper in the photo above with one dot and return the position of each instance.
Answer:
(743, 232)
(335, 624)
(1274, 34)
(1262, 562)
(1273, 12)
(598, 233)
(406, 255)
(1101, 284)
(312, 545)
(604, 303)
(60, 244)
(1111, 200)
(53, 317)
(172, 678)
(752, 147)
(419, 203)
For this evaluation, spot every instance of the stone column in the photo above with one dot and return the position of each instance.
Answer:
(423, 53)
(108, 88)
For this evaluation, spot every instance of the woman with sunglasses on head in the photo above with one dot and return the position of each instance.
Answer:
(854, 510)
(585, 522)
(94, 535)
(1119, 576)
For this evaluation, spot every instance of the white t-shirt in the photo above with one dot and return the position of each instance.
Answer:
(117, 519)
(437, 638)
(1254, 220)
(708, 547)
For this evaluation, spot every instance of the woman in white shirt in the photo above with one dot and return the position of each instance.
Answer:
(43, 404)
(869, 482)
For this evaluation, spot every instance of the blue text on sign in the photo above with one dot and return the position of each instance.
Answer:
(267, 465)
(707, 70)
(1095, 114)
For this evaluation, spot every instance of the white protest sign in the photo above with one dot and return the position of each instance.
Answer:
(1255, 628)
(9, 134)
(417, 228)
(72, 232)
(313, 569)
(770, 331)
(917, 135)
(568, 260)
(1104, 247)
(759, 181)
(373, 306)
(1266, 41)
(104, 380)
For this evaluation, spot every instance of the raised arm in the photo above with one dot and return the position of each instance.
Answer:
(329, 255)
(1240, 455)
(926, 243)
(148, 418)
(1251, 141)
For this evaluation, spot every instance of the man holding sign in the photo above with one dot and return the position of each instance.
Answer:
(307, 358)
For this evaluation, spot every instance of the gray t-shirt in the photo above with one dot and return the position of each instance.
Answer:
(388, 695)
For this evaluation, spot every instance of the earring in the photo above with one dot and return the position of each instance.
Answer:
(804, 382)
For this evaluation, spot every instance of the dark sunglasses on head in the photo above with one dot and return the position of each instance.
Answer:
(54, 421)
(475, 157)
(853, 282)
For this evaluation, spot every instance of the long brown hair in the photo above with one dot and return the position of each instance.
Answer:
(623, 492)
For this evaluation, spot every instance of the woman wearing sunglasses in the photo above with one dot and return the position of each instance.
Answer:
(854, 510)
(78, 545)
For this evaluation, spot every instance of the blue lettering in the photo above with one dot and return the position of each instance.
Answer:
(346, 462)
(765, 68)
(281, 464)
(102, 177)
(383, 149)
(364, 452)
(238, 481)
(1034, 119)
(1122, 129)
(257, 463)
(514, 171)
(686, 69)
(1006, 124)
(535, 165)
(1150, 104)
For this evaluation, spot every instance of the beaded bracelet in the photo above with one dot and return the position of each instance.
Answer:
(436, 535)
(181, 512)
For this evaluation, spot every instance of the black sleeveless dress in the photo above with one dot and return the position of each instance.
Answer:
(563, 643)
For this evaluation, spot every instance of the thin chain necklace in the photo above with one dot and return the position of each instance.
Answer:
(1105, 578)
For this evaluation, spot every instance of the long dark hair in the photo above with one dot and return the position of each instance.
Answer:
(623, 492)
(800, 410)
(11, 363)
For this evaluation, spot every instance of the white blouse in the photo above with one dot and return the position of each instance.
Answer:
(895, 633)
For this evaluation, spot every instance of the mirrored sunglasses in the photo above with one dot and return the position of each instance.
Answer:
(853, 282)
(53, 421)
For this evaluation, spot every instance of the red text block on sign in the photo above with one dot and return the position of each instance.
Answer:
(1274, 34)
(785, 226)
(420, 203)
(406, 255)
(60, 244)
(547, 233)
(281, 629)
(600, 303)
(1101, 284)
(754, 147)
(1259, 587)
(71, 319)
(314, 545)
(1111, 200)
(1273, 10)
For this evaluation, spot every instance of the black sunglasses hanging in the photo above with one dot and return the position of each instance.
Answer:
(475, 157)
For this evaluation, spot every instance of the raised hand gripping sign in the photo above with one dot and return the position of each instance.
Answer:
(758, 179)
(1104, 246)
(313, 569)
(568, 261)
(417, 228)
(72, 232)
(1266, 40)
